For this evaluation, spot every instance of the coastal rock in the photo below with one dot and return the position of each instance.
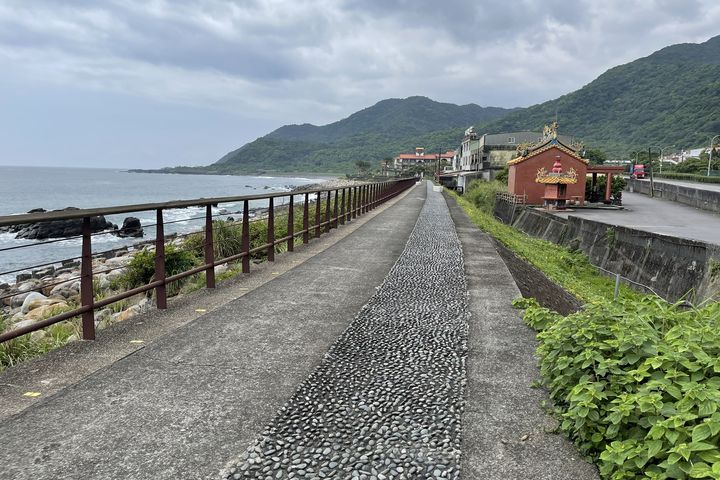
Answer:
(131, 227)
(43, 272)
(59, 228)
(22, 277)
(125, 314)
(71, 286)
(38, 335)
(103, 314)
(28, 285)
(43, 302)
(46, 311)
(17, 300)
(30, 299)
(23, 324)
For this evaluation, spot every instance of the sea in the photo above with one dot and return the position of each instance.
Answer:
(26, 188)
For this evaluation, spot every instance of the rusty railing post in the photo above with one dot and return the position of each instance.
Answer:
(160, 290)
(291, 225)
(86, 283)
(363, 200)
(354, 201)
(209, 248)
(335, 210)
(327, 212)
(271, 230)
(317, 215)
(246, 237)
(342, 208)
(306, 220)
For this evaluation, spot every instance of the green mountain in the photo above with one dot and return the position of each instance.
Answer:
(376, 132)
(670, 98)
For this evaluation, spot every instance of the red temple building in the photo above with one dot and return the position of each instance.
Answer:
(536, 160)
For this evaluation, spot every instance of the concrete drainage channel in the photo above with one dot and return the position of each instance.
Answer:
(387, 400)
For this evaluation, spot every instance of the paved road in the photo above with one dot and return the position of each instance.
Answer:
(658, 216)
(715, 187)
(394, 353)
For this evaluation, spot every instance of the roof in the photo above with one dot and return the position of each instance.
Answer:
(518, 137)
(551, 143)
(426, 156)
(502, 139)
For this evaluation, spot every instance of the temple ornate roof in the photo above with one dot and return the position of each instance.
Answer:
(545, 146)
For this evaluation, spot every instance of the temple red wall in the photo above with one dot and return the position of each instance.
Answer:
(521, 178)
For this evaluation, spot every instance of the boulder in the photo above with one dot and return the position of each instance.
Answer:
(17, 300)
(131, 227)
(46, 311)
(130, 312)
(28, 285)
(103, 314)
(32, 297)
(41, 303)
(69, 286)
(22, 324)
(21, 277)
(43, 272)
(38, 335)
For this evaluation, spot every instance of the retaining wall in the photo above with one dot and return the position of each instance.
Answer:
(695, 197)
(672, 266)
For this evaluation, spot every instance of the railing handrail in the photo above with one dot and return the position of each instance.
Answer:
(27, 218)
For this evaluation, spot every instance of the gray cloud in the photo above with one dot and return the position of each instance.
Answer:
(281, 61)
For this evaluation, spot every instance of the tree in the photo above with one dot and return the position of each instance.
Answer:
(363, 166)
(596, 156)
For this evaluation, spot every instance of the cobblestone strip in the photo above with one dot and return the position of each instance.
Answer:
(387, 400)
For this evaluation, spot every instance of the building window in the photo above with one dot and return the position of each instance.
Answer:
(511, 139)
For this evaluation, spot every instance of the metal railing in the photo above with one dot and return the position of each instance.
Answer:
(341, 205)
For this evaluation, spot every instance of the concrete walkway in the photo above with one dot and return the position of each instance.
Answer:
(394, 353)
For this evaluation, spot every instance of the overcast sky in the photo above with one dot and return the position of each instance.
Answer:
(123, 83)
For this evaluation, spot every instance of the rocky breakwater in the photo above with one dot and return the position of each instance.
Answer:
(53, 290)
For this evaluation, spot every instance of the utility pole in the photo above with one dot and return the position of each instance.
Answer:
(712, 140)
(650, 164)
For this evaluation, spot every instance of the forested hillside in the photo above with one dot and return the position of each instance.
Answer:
(671, 97)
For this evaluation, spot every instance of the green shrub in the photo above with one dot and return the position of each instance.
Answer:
(636, 383)
(141, 268)
(503, 175)
(227, 240)
(482, 194)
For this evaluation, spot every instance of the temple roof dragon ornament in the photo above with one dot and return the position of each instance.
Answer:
(556, 175)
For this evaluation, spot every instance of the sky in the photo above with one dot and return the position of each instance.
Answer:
(152, 83)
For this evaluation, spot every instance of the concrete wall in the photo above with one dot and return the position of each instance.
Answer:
(672, 266)
(698, 198)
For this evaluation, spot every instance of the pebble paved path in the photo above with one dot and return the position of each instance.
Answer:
(387, 400)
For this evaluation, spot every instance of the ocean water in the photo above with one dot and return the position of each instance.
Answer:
(25, 188)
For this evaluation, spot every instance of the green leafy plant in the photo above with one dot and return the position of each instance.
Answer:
(141, 268)
(636, 384)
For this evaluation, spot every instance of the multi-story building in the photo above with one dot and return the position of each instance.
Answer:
(408, 161)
